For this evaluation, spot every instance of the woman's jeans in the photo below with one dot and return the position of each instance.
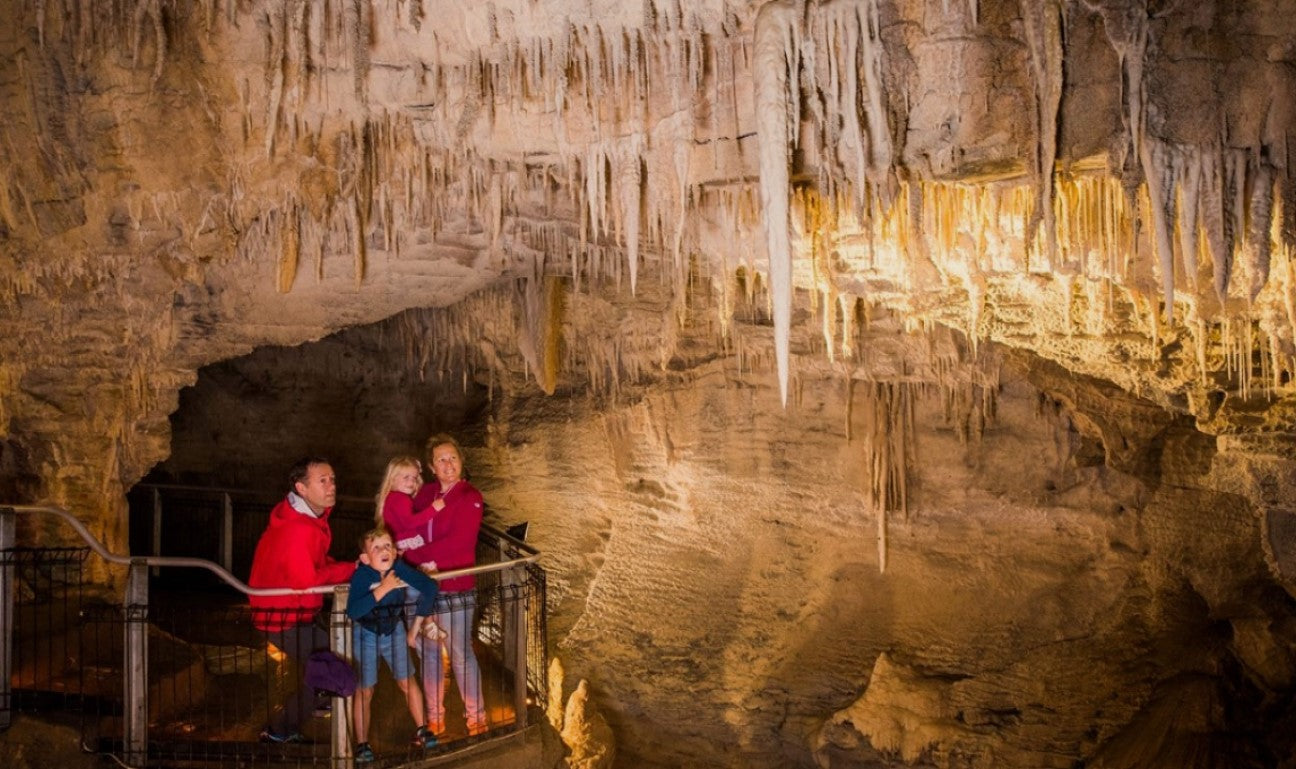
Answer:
(454, 613)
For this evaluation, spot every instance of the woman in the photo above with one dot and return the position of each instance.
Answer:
(456, 509)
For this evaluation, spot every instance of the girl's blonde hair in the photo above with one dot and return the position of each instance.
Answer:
(393, 467)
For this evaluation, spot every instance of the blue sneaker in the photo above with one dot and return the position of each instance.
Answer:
(289, 738)
(424, 739)
(364, 754)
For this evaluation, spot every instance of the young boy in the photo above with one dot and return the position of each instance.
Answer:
(376, 605)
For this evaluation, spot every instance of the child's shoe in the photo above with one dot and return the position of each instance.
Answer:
(424, 739)
(364, 754)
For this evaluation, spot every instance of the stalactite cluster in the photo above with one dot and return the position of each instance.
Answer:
(617, 177)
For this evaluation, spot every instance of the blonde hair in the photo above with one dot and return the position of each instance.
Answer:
(371, 535)
(394, 466)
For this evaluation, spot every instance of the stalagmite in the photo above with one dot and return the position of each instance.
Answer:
(776, 62)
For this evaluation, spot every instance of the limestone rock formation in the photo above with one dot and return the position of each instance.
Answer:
(798, 328)
(586, 734)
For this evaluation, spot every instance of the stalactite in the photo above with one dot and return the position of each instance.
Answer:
(888, 446)
(630, 187)
(1043, 26)
(555, 304)
(359, 244)
(290, 253)
(276, 65)
(1259, 235)
(1216, 222)
(1190, 175)
(1159, 171)
(777, 116)
(358, 27)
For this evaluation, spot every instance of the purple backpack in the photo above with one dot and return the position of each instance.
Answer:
(328, 673)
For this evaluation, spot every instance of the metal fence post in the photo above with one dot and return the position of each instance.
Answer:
(135, 665)
(518, 576)
(157, 526)
(8, 583)
(227, 533)
(338, 642)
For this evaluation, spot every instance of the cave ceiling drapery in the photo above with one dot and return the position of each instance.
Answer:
(1104, 183)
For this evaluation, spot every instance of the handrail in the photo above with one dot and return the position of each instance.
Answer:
(235, 582)
(340, 498)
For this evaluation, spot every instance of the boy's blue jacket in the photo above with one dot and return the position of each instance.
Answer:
(382, 616)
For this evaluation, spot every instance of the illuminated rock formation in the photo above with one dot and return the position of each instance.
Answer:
(703, 242)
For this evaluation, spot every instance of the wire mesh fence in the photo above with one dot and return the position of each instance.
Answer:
(216, 682)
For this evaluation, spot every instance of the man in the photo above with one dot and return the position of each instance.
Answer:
(293, 552)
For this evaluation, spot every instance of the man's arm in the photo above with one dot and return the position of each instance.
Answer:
(334, 572)
(297, 559)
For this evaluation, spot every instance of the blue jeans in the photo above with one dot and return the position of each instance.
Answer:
(368, 646)
(454, 613)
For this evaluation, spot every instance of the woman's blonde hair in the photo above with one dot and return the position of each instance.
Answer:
(393, 467)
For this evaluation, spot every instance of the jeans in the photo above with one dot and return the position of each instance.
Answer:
(454, 613)
(296, 643)
(369, 646)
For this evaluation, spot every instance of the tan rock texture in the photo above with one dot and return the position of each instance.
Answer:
(959, 330)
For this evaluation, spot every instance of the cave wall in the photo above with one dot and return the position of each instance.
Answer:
(1079, 576)
(716, 571)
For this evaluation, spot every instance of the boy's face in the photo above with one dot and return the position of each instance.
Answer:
(381, 553)
(408, 480)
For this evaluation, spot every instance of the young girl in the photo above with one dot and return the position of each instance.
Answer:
(411, 529)
(394, 505)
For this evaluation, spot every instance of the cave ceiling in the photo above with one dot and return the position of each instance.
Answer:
(1105, 184)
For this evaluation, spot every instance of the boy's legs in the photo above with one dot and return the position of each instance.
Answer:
(365, 647)
(395, 650)
(360, 706)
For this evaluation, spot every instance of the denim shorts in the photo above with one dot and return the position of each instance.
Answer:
(391, 647)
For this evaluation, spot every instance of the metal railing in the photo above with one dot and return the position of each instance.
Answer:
(175, 702)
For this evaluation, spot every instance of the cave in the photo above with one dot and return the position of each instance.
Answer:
(885, 382)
